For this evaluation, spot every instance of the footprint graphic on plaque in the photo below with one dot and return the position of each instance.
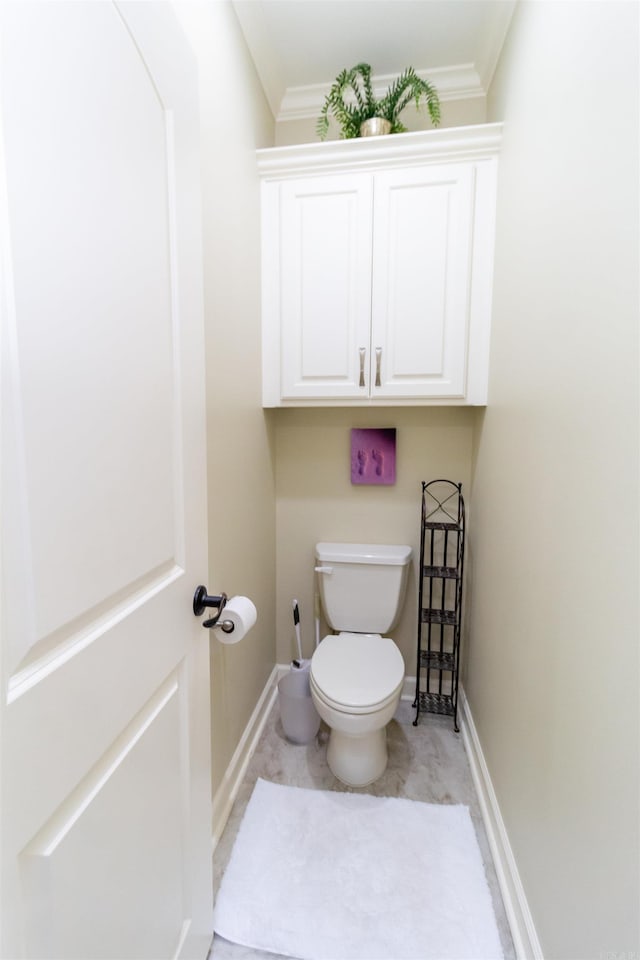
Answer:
(373, 456)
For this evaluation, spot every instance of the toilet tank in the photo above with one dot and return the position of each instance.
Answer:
(362, 585)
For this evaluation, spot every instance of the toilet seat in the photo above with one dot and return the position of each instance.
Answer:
(357, 673)
(352, 711)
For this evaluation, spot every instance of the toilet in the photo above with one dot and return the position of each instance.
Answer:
(357, 673)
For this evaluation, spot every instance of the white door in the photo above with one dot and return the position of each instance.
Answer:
(104, 699)
(325, 286)
(421, 281)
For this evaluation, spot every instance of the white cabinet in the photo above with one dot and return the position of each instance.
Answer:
(324, 285)
(377, 269)
(420, 280)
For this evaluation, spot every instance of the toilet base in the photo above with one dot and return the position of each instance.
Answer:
(357, 760)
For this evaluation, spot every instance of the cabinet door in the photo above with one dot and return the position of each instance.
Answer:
(421, 281)
(325, 286)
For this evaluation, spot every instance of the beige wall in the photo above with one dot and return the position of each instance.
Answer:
(455, 113)
(235, 121)
(316, 500)
(308, 450)
(552, 672)
(551, 667)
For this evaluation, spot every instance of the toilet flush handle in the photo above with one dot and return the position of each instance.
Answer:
(324, 569)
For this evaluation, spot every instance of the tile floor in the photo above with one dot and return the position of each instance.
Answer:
(426, 763)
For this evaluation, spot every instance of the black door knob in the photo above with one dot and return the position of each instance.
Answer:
(202, 600)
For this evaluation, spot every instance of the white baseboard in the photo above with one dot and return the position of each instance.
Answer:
(228, 789)
(523, 932)
(409, 689)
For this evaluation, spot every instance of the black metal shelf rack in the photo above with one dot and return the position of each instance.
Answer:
(440, 599)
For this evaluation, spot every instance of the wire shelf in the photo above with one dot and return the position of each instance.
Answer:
(439, 703)
(442, 533)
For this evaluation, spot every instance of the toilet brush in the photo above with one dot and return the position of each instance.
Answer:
(316, 612)
(300, 663)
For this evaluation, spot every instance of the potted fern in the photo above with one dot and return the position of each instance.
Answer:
(359, 114)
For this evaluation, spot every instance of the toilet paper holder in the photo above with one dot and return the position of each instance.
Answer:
(202, 600)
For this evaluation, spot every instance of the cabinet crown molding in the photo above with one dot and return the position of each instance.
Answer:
(447, 144)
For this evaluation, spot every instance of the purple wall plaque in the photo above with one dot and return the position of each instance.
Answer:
(373, 456)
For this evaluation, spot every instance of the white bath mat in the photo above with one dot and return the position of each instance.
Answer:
(320, 875)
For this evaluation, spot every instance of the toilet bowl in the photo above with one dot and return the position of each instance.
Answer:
(356, 681)
(357, 672)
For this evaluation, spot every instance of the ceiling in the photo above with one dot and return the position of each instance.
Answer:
(299, 46)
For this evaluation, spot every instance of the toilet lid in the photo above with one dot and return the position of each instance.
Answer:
(356, 669)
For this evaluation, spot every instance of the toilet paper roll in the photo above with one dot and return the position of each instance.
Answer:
(241, 612)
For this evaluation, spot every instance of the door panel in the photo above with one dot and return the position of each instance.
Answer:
(74, 842)
(325, 279)
(421, 269)
(116, 340)
(105, 753)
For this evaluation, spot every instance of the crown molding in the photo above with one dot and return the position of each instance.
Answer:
(452, 83)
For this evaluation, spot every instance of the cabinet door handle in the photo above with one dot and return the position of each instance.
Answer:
(378, 362)
(363, 354)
